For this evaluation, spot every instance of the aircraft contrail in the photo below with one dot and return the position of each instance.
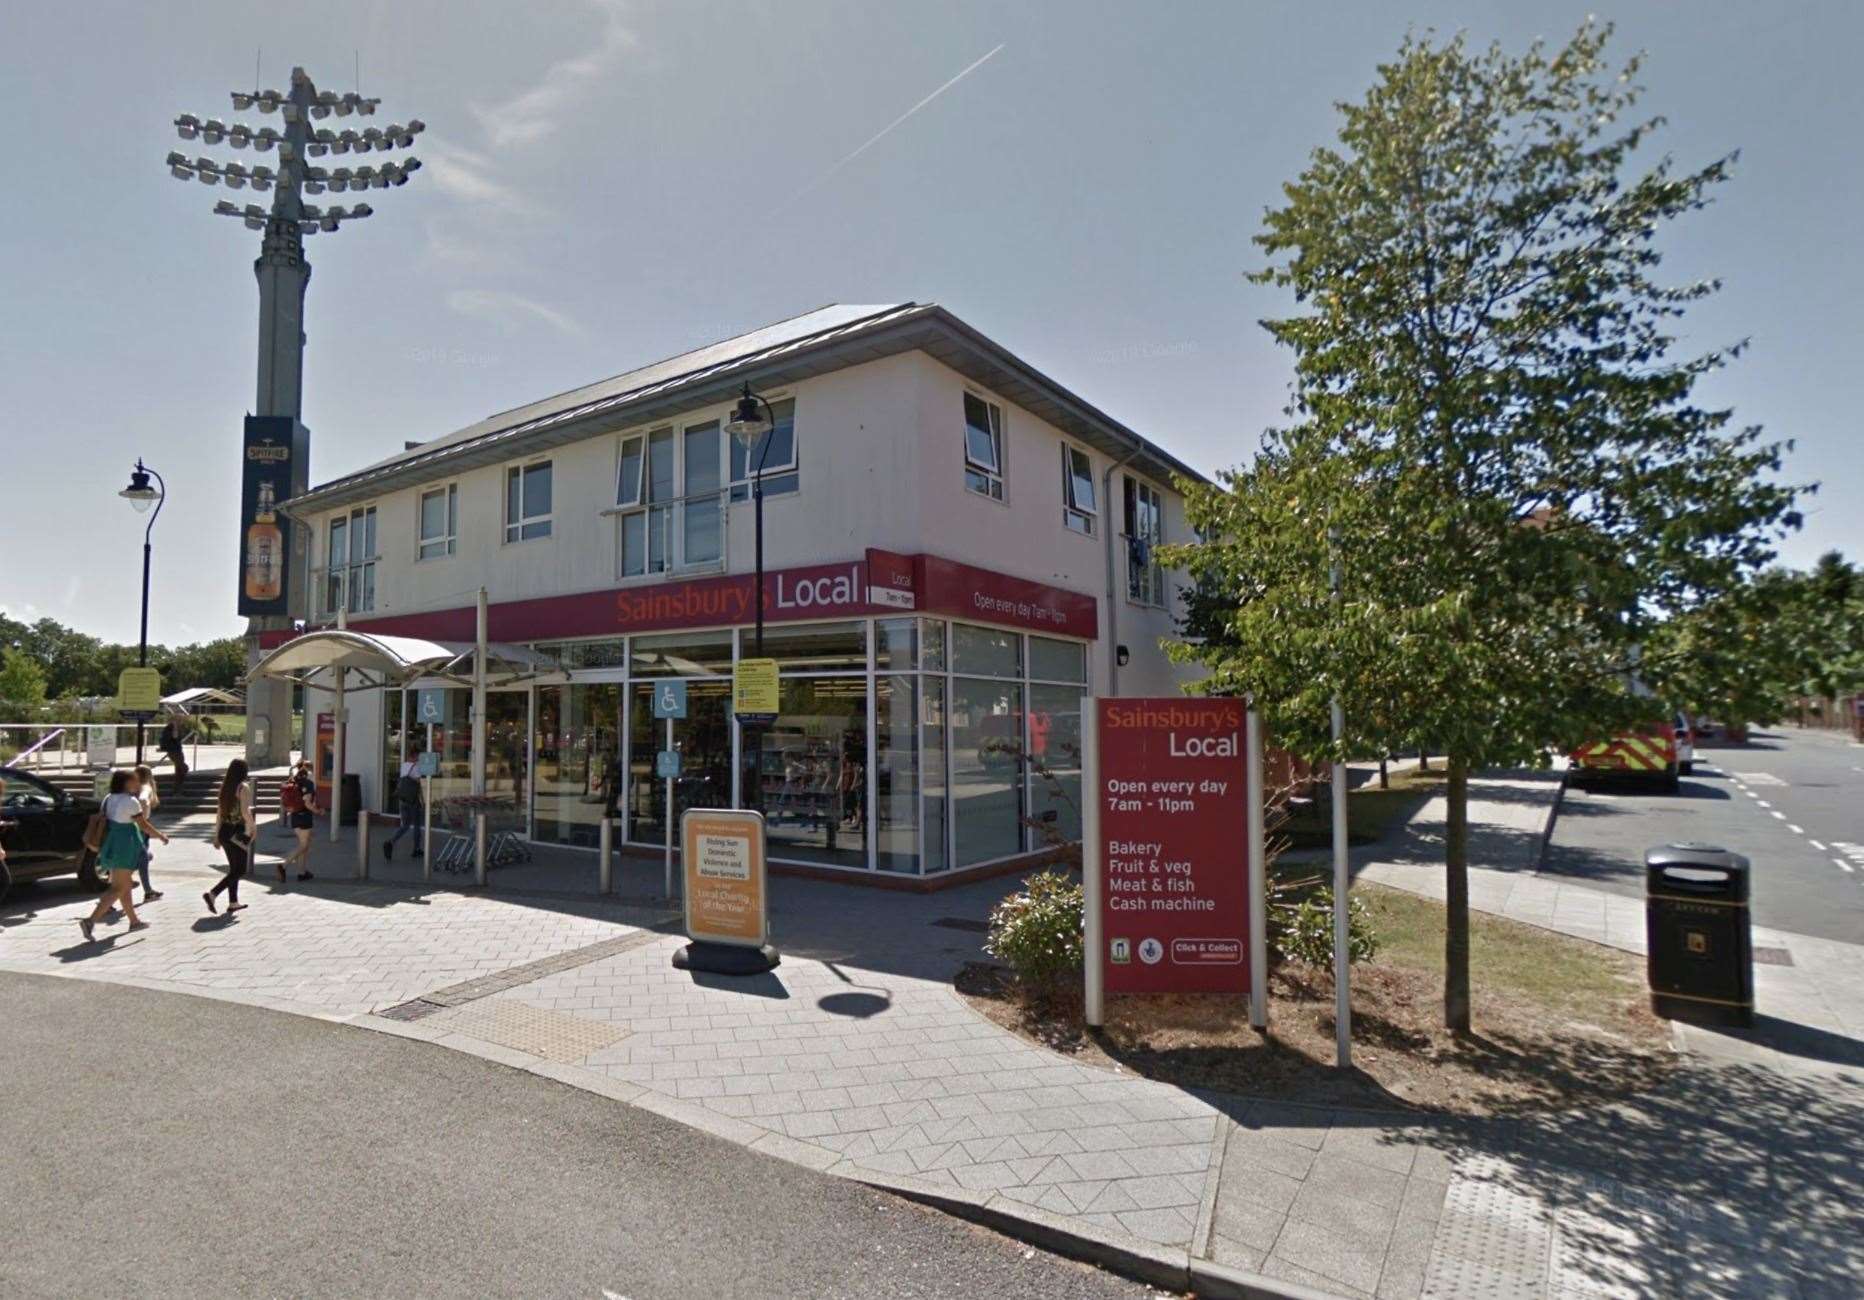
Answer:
(886, 130)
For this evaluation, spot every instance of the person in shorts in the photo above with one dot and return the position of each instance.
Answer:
(299, 800)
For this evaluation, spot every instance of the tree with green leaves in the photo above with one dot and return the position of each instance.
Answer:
(22, 685)
(1751, 654)
(1490, 430)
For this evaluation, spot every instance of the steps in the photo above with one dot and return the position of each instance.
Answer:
(197, 795)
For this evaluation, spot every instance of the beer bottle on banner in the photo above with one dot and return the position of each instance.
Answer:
(264, 548)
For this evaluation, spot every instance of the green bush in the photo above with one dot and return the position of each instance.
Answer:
(1038, 931)
(1303, 931)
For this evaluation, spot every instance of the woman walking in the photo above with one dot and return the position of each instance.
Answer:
(151, 800)
(234, 828)
(126, 831)
(299, 799)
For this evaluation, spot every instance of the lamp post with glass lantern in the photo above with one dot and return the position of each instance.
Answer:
(750, 425)
(141, 495)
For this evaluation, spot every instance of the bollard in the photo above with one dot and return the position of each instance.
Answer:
(605, 874)
(478, 848)
(362, 844)
(427, 832)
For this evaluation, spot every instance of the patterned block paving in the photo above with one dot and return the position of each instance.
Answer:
(919, 1086)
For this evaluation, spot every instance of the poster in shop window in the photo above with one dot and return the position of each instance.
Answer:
(1173, 792)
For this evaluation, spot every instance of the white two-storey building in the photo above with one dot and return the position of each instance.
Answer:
(957, 551)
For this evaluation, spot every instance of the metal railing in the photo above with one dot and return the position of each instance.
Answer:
(686, 534)
(80, 746)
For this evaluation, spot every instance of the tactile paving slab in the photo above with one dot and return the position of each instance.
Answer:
(1492, 1243)
(553, 1035)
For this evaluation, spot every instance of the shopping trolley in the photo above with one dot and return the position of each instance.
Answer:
(504, 832)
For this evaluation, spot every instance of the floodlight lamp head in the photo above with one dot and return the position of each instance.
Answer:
(242, 100)
(187, 126)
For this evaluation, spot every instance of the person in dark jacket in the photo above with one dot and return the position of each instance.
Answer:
(407, 803)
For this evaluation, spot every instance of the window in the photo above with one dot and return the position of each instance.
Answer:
(1077, 490)
(777, 452)
(527, 502)
(1145, 530)
(440, 519)
(983, 447)
(349, 568)
(662, 527)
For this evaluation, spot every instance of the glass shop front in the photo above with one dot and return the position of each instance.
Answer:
(909, 745)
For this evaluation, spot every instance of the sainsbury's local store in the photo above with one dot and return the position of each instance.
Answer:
(957, 553)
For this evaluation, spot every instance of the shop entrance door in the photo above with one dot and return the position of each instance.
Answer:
(578, 762)
(703, 741)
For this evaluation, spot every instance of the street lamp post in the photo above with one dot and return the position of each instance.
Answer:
(749, 425)
(140, 495)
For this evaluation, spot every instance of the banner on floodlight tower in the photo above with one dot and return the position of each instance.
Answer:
(267, 465)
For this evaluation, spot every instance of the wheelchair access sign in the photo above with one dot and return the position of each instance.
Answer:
(669, 699)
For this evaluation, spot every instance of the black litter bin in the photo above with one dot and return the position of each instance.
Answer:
(1700, 937)
(352, 797)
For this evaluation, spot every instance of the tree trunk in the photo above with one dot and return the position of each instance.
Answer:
(1456, 898)
(1423, 761)
(1385, 778)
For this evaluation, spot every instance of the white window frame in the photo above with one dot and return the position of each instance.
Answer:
(992, 475)
(671, 510)
(514, 528)
(792, 466)
(1075, 517)
(448, 541)
(1150, 592)
(357, 596)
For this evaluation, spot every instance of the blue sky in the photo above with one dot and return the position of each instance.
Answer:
(609, 183)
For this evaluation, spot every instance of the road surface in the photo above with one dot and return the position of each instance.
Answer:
(155, 1144)
(1791, 800)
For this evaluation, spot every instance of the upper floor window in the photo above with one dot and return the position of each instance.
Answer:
(671, 499)
(1077, 490)
(776, 451)
(349, 565)
(1145, 531)
(983, 447)
(440, 521)
(527, 502)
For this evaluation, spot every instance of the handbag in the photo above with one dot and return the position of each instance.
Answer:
(94, 832)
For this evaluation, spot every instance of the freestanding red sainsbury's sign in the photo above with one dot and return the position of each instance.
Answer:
(1171, 845)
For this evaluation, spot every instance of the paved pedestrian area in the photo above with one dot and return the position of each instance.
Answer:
(857, 1057)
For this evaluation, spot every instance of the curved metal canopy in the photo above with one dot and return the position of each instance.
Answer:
(391, 660)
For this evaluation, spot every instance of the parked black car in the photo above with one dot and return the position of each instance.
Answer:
(42, 829)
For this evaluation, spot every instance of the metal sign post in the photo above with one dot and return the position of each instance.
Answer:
(669, 703)
(1093, 881)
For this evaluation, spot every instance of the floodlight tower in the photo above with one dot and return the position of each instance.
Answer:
(283, 273)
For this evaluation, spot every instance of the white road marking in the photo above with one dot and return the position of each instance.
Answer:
(1763, 803)
(1779, 814)
(1758, 778)
(1797, 830)
(1843, 865)
(1815, 844)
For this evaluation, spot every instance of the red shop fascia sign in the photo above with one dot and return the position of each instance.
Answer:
(879, 583)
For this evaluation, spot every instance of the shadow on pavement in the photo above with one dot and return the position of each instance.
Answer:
(1727, 1181)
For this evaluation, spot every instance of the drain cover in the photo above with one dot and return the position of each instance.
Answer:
(963, 923)
(1773, 957)
(410, 1010)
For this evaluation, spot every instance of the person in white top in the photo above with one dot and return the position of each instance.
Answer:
(145, 776)
(125, 831)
